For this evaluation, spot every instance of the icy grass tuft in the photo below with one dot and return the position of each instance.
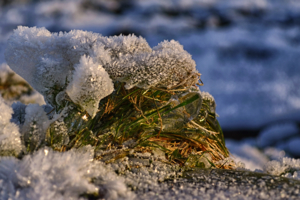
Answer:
(47, 174)
(10, 142)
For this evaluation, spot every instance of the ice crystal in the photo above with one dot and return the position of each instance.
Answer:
(18, 116)
(90, 84)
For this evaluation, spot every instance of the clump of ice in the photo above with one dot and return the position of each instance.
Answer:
(288, 167)
(52, 175)
(207, 96)
(33, 98)
(90, 84)
(10, 141)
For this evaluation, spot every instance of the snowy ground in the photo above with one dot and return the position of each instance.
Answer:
(246, 50)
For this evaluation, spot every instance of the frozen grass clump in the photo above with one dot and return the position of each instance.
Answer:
(10, 141)
(47, 174)
(111, 91)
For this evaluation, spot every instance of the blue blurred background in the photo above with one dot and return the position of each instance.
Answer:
(246, 50)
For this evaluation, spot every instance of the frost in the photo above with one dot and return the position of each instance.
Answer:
(35, 126)
(52, 175)
(288, 167)
(10, 141)
(166, 66)
(125, 45)
(90, 84)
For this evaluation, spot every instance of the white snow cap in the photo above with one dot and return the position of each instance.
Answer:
(47, 61)
(79, 62)
(10, 141)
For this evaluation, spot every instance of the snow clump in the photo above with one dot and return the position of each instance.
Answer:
(88, 78)
(10, 141)
(288, 167)
(47, 174)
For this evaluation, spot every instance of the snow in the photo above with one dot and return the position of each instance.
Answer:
(10, 142)
(47, 174)
(288, 167)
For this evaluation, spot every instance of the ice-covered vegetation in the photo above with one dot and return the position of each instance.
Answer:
(116, 97)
